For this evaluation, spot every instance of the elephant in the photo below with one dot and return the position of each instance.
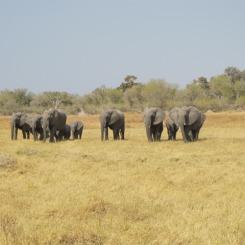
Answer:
(64, 133)
(196, 129)
(153, 119)
(20, 121)
(115, 120)
(76, 130)
(190, 120)
(37, 128)
(53, 121)
(170, 124)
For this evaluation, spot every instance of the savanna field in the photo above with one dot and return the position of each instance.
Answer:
(125, 192)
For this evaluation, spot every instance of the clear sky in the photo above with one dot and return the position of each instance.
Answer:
(78, 45)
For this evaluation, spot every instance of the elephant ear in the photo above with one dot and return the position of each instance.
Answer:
(159, 117)
(114, 117)
(192, 116)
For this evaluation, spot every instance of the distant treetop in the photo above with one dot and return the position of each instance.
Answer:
(130, 81)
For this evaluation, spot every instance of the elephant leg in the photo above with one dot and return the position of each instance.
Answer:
(193, 135)
(183, 132)
(35, 136)
(41, 136)
(122, 134)
(118, 134)
(149, 134)
(155, 134)
(28, 135)
(159, 136)
(24, 134)
(115, 134)
(174, 134)
(15, 133)
(72, 135)
(189, 135)
(169, 134)
(197, 134)
(52, 135)
(106, 134)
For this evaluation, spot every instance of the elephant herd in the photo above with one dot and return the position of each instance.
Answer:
(188, 119)
(52, 124)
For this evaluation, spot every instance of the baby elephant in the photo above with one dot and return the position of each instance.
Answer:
(76, 130)
(64, 133)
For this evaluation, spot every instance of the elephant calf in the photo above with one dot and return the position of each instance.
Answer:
(153, 119)
(76, 130)
(64, 133)
(37, 128)
(171, 126)
(115, 120)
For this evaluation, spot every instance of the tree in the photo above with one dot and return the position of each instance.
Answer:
(202, 82)
(158, 93)
(130, 81)
(233, 73)
(221, 87)
(134, 99)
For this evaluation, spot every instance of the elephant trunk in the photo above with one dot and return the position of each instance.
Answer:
(148, 133)
(182, 128)
(34, 132)
(102, 132)
(72, 133)
(13, 131)
(45, 125)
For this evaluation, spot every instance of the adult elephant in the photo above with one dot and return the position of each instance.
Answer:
(190, 120)
(20, 121)
(171, 126)
(64, 133)
(196, 129)
(53, 121)
(76, 130)
(115, 120)
(153, 119)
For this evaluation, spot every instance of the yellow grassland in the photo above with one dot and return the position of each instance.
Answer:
(125, 192)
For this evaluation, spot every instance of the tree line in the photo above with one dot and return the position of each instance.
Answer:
(221, 92)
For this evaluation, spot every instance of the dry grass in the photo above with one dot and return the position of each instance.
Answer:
(130, 192)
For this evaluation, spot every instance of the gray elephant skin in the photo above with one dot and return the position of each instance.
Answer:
(64, 133)
(171, 126)
(153, 119)
(115, 120)
(20, 121)
(53, 120)
(76, 130)
(37, 128)
(190, 120)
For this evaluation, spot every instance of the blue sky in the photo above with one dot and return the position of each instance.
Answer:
(78, 45)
